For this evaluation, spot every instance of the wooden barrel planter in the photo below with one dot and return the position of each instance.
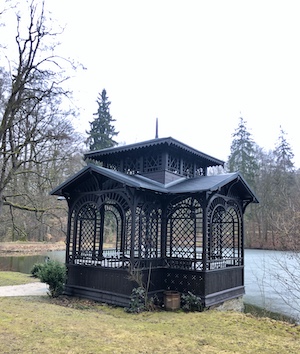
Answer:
(172, 300)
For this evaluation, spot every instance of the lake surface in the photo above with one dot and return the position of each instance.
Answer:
(263, 271)
(24, 264)
(272, 281)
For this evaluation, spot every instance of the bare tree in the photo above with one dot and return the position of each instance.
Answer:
(36, 136)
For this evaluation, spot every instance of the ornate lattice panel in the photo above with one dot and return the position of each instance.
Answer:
(188, 169)
(184, 282)
(116, 166)
(199, 171)
(128, 227)
(96, 233)
(237, 232)
(152, 163)
(84, 206)
(224, 234)
(132, 166)
(119, 199)
(184, 234)
(147, 231)
(88, 233)
(173, 164)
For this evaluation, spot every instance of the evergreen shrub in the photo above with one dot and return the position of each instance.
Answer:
(52, 273)
(35, 269)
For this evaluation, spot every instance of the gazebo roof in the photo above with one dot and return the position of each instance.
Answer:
(180, 186)
(149, 145)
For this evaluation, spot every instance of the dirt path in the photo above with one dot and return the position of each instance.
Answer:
(31, 289)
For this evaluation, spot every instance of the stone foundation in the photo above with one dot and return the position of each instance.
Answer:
(231, 305)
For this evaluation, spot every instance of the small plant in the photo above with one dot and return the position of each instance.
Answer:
(52, 273)
(137, 301)
(191, 302)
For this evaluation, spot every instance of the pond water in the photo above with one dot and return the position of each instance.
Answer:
(24, 264)
(262, 269)
(272, 281)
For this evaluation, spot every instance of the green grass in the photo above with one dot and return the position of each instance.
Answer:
(261, 312)
(15, 278)
(65, 325)
(71, 325)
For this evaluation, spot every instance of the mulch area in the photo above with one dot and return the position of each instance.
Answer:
(18, 248)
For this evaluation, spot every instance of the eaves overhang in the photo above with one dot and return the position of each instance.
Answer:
(183, 185)
(213, 184)
(128, 180)
(168, 142)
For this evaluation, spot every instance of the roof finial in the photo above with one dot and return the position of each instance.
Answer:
(156, 129)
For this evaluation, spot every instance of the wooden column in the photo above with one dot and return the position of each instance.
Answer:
(204, 233)
(163, 230)
(133, 222)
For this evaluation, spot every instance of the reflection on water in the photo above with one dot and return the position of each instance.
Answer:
(24, 264)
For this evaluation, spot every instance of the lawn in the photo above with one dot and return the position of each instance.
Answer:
(15, 278)
(70, 325)
(41, 325)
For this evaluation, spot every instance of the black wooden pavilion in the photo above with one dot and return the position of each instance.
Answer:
(172, 222)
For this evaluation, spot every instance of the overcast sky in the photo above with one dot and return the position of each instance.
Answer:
(197, 66)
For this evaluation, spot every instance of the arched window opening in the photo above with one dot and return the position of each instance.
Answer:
(224, 236)
(184, 233)
(97, 233)
(112, 229)
(219, 228)
(87, 234)
(147, 231)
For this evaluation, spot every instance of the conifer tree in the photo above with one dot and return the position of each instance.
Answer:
(243, 158)
(243, 153)
(283, 153)
(102, 129)
(284, 210)
(283, 170)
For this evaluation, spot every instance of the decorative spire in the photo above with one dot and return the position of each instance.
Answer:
(156, 129)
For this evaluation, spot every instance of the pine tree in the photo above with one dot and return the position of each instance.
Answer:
(243, 153)
(283, 170)
(285, 195)
(243, 158)
(102, 130)
(283, 153)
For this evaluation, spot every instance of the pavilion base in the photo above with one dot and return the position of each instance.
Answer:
(106, 296)
(114, 285)
(98, 295)
(231, 299)
(223, 296)
(236, 305)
